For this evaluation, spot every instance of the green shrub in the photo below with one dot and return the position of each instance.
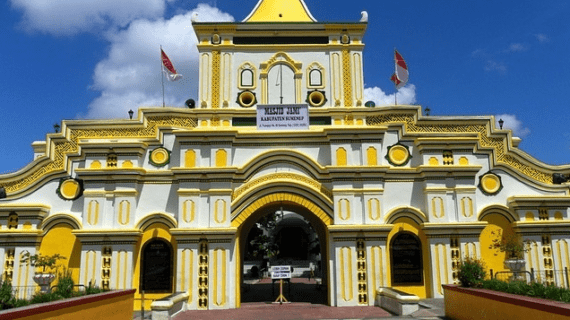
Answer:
(65, 284)
(534, 289)
(6, 297)
(20, 303)
(471, 272)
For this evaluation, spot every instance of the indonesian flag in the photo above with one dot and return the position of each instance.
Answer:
(168, 68)
(400, 76)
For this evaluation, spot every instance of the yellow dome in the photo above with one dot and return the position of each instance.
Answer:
(280, 11)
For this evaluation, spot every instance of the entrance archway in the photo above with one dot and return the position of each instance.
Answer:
(315, 216)
(156, 267)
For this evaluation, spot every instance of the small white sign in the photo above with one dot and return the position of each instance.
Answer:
(282, 117)
(280, 272)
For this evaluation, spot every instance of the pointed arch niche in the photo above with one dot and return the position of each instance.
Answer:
(280, 69)
(247, 76)
(315, 76)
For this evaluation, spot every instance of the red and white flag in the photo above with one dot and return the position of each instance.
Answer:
(168, 68)
(400, 76)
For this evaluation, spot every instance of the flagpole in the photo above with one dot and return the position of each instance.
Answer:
(395, 82)
(162, 75)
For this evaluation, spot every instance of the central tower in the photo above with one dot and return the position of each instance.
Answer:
(280, 54)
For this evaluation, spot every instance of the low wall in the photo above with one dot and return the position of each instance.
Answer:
(479, 304)
(108, 305)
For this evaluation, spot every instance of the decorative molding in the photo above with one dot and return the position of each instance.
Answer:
(497, 144)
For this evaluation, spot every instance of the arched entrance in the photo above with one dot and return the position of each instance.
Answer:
(499, 227)
(408, 251)
(156, 267)
(406, 263)
(303, 209)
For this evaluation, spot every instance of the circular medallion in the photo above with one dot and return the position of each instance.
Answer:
(490, 183)
(246, 99)
(398, 155)
(70, 189)
(160, 157)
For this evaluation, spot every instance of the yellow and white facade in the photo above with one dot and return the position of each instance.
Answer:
(194, 181)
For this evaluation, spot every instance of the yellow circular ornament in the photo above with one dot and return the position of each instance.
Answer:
(160, 157)
(70, 189)
(398, 155)
(490, 183)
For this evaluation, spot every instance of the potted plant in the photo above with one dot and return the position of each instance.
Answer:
(514, 249)
(43, 278)
(471, 272)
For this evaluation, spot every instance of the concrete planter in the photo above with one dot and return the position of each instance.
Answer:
(44, 280)
(470, 303)
(108, 305)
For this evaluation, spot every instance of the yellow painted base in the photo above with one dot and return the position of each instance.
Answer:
(463, 305)
(119, 306)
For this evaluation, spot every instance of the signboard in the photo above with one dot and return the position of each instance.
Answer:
(282, 117)
(280, 272)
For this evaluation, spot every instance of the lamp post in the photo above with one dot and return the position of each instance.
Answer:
(426, 111)
(501, 123)
(131, 112)
(56, 128)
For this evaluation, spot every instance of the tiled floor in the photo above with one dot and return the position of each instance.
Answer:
(309, 301)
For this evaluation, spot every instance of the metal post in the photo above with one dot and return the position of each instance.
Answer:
(566, 274)
(142, 304)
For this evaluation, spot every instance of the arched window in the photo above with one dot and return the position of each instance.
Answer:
(406, 259)
(246, 78)
(156, 267)
(315, 78)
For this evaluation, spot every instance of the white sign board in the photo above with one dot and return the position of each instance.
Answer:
(280, 272)
(282, 117)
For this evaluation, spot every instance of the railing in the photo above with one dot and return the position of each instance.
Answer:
(24, 292)
(560, 278)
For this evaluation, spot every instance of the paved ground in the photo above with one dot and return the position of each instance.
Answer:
(308, 302)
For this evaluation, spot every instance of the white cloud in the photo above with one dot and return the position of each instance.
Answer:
(511, 122)
(69, 17)
(406, 95)
(516, 47)
(495, 66)
(542, 38)
(130, 76)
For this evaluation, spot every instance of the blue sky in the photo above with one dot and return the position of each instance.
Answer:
(77, 59)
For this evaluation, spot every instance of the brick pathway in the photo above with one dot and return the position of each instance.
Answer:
(259, 311)
(308, 302)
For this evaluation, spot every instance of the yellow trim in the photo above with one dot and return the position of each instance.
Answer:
(281, 197)
(93, 213)
(124, 211)
(341, 157)
(346, 272)
(347, 78)
(402, 211)
(69, 189)
(190, 159)
(156, 217)
(188, 211)
(221, 158)
(220, 203)
(407, 224)
(344, 209)
(371, 210)
(398, 154)
(237, 270)
(215, 79)
(54, 219)
(372, 156)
